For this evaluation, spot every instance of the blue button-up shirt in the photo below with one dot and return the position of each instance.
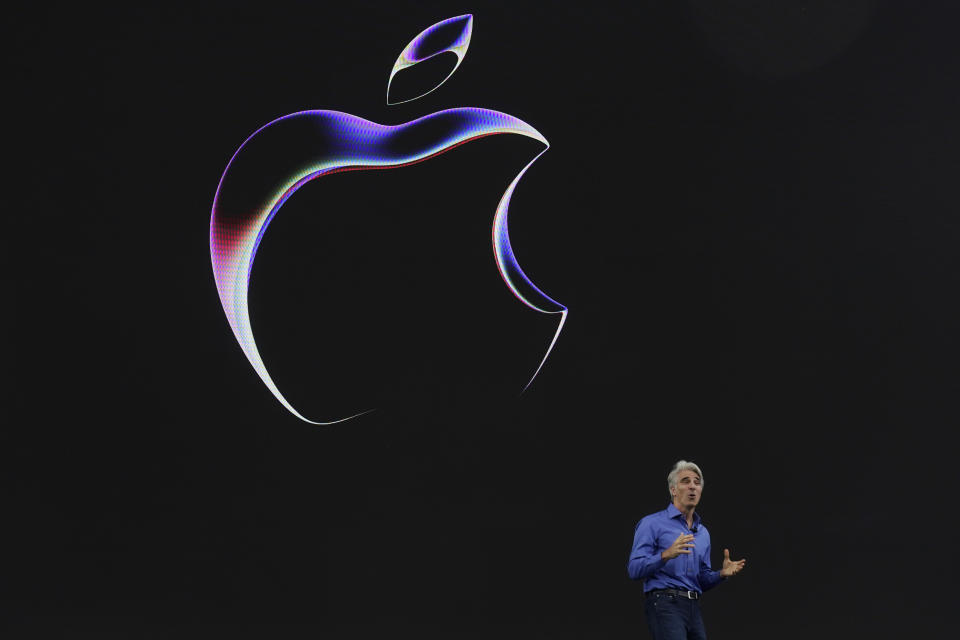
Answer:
(688, 571)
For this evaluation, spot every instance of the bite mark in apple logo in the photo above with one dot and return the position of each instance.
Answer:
(285, 154)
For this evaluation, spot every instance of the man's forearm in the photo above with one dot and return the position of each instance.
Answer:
(643, 567)
(710, 578)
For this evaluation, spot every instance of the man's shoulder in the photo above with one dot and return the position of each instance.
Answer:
(656, 516)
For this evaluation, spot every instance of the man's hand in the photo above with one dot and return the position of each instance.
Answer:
(681, 545)
(731, 567)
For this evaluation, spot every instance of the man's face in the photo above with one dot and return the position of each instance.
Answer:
(687, 492)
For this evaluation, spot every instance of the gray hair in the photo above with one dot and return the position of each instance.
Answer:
(682, 465)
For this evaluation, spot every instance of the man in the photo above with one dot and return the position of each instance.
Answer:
(671, 553)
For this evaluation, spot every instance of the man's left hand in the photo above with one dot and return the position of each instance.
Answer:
(731, 567)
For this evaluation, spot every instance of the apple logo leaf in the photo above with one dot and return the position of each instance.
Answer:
(450, 35)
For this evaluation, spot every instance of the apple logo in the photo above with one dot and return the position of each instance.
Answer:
(285, 154)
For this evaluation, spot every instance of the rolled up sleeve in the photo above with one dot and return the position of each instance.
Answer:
(645, 556)
(708, 577)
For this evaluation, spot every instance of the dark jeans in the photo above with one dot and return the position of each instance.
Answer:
(674, 617)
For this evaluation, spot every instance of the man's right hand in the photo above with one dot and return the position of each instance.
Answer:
(682, 544)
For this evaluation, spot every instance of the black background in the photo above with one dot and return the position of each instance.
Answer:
(750, 212)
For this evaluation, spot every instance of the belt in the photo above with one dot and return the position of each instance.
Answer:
(692, 595)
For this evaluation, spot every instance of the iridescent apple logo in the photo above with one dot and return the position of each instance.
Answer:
(283, 155)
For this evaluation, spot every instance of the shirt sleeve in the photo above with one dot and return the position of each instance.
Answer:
(708, 577)
(644, 557)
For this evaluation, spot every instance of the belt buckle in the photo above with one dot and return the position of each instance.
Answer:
(692, 595)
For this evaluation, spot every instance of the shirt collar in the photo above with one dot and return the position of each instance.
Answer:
(673, 512)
